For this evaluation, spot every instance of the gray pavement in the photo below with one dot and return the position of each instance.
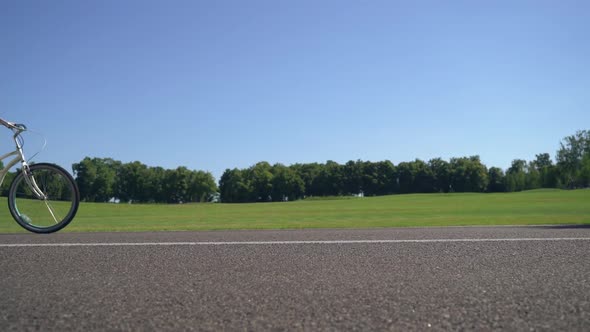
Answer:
(507, 283)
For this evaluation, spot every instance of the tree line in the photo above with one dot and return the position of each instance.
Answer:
(105, 179)
(263, 182)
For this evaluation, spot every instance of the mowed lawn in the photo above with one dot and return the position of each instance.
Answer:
(419, 210)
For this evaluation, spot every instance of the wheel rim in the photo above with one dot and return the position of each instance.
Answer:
(44, 213)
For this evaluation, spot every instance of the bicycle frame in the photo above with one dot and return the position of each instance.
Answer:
(20, 157)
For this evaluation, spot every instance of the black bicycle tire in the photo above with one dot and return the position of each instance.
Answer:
(65, 221)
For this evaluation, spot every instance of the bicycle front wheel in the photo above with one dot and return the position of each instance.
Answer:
(45, 200)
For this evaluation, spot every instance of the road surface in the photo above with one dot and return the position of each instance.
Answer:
(456, 278)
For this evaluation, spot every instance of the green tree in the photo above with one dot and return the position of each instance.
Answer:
(441, 172)
(286, 184)
(85, 174)
(308, 173)
(415, 177)
(468, 175)
(201, 186)
(533, 176)
(585, 171)
(96, 178)
(132, 183)
(178, 184)
(329, 181)
(352, 176)
(234, 187)
(377, 178)
(546, 169)
(155, 185)
(570, 158)
(405, 177)
(385, 177)
(516, 176)
(423, 177)
(261, 179)
(496, 180)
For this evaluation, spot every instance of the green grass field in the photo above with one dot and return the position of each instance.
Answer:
(526, 208)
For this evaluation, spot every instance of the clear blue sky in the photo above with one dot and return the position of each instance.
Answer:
(221, 84)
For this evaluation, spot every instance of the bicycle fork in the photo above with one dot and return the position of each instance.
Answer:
(32, 183)
(30, 179)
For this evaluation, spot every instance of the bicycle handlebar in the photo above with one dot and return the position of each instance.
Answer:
(13, 126)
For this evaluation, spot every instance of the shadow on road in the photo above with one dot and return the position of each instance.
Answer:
(584, 226)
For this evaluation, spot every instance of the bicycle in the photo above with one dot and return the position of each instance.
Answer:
(43, 197)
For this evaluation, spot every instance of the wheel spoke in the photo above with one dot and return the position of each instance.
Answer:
(51, 211)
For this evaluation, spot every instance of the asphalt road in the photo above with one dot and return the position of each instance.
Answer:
(512, 278)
